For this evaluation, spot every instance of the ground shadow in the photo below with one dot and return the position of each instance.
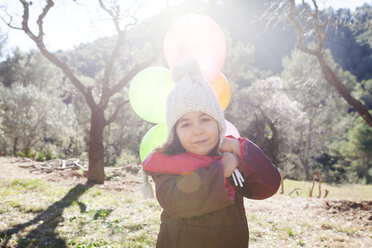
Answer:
(44, 234)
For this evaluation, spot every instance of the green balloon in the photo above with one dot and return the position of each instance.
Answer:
(148, 93)
(154, 137)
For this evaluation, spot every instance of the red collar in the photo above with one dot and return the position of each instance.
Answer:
(177, 164)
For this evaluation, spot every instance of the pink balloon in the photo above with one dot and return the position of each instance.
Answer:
(196, 36)
(231, 129)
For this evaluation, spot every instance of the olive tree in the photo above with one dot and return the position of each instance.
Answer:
(30, 116)
(311, 26)
(99, 96)
(324, 108)
(264, 113)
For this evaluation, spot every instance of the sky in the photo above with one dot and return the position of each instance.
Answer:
(69, 24)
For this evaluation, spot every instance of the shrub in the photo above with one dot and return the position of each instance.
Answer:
(45, 155)
(30, 154)
(126, 157)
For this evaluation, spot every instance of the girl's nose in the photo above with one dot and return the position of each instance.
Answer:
(198, 129)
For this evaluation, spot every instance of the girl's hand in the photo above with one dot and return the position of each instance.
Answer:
(231, 145)
(230, 162)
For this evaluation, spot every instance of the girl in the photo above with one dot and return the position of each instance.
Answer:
(202, 207)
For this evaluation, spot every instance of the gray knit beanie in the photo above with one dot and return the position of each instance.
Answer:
(192, 94)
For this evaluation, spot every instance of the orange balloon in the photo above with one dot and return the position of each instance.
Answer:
(222, 89)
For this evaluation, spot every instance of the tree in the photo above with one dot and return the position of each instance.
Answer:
(3, 145)
(264, 113)
(311, 27)
(30, 68)
(239, 66)
(318, 33)
(348, 43)
(3, 40)
(323, 108)
(356, 150)
(362, 24)
(30, 119)
(97, 101)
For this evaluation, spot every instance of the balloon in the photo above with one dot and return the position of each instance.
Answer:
(153, 138)
(148, 93)
(196, 36)
(222, 89)
(231, 129)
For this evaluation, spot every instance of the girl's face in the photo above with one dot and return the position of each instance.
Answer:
(198, 132)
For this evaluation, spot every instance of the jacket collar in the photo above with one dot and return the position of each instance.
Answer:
(182, 163)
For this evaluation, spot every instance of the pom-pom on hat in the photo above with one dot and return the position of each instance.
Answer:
(192, 94)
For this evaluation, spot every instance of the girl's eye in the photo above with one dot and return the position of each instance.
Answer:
(205, 119)
(185, 125)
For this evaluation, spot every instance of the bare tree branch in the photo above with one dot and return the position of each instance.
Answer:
(25, 27)
(9, 23)
(38, 39)
(108, 69)
(320, 30)
(116, 112)
(320, 34)
(114, 16)
(299, 31)
(316, 8)
(306, 7)
(125, 80)
(332, 79)
(39, 21)
(127, 26)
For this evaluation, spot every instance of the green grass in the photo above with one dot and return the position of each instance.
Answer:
(355, 192)
(56, 215)
(28, 184)
(46, 214)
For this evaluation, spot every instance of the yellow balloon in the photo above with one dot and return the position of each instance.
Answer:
(222, 89)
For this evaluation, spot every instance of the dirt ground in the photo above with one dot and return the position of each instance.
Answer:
(22, 168)
(312, 222)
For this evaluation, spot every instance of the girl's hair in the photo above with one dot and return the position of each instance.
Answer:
(174, 146)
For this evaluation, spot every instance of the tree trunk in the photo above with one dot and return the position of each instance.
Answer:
(107, 145)
(273, 146)
(15, 142)
(260, 128)
(308, 151)
(305, 164)
(96, 172)
(27, 152)
(304, 157)
(367, 168)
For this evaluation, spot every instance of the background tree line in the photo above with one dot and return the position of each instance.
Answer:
(280, 99)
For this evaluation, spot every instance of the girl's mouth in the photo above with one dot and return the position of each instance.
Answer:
(201, 141)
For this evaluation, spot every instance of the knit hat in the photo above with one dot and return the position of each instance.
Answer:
(192, 94)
